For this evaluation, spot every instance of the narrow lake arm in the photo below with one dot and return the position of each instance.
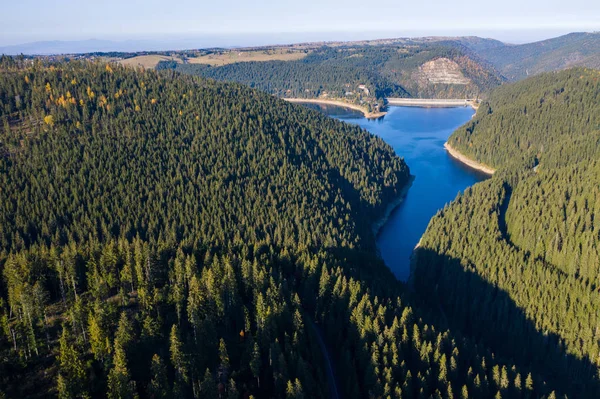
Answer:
(393, 205)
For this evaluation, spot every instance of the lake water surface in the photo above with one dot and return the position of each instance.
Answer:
(418, 135)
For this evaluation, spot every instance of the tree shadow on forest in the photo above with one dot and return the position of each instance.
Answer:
(450, 298)
(454, 298)
(345, 347)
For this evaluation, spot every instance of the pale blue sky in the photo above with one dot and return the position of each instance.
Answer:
(31, 20)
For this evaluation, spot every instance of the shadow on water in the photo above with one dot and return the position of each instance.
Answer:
(466, 304)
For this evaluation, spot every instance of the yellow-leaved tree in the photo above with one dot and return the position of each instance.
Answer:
(49, 120)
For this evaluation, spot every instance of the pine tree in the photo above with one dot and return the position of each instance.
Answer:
(72, 378)
(98, 337)
(529, 382)
(465, 392)
(158, 388)
(120, 385)
(208, 387)
(124, 333)
(223, 356)
(255, 363)
(179, 363)
(232, 391)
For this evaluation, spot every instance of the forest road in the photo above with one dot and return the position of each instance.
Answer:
(331, 381)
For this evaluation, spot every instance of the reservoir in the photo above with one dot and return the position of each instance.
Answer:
(418, 135)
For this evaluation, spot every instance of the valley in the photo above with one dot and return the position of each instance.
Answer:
(417, 136)
(395, 218)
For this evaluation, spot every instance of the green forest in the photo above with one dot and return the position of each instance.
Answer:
(385, 70)
(164, 235)
(523, 246)
(552, 118)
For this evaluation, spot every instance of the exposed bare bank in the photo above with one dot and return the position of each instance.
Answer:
(468, 161)
(366, 113)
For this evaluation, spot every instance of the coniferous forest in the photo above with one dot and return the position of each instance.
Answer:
(385, 70)
(523, 246)
(166, 235)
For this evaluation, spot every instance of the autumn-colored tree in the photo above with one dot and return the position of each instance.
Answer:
(49, 120)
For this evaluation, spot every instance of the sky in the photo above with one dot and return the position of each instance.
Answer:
(510, 20)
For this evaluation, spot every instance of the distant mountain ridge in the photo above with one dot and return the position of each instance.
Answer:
(57, 47)
(426, 67)
(363, 73)
(502, 60)
(68, 47)
(517, 62)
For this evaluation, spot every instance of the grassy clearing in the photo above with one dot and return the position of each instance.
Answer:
(230, 57)
(147, 61)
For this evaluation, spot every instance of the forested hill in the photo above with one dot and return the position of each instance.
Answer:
(433, 67)
(553, 119)
(168, 236)
(415, 69)
(83, 141)
(515, 260)
(517, 62)
(162, 199)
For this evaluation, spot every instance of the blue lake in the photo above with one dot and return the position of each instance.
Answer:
(418, 135)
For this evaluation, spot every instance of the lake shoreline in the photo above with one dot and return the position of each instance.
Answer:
(417, 134)
(378, 225)
(338, 103)
(468, 161)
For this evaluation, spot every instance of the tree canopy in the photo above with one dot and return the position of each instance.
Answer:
(514, 261)
(172, 236)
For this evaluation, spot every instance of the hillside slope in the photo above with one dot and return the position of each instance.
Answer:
(142, 222)
(514, 260)
(364, 73)
(551, 118)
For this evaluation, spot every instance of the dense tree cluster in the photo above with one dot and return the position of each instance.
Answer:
(168, 236)
(137, 145)
(514, 261)
(554, 117)
(556, 222)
